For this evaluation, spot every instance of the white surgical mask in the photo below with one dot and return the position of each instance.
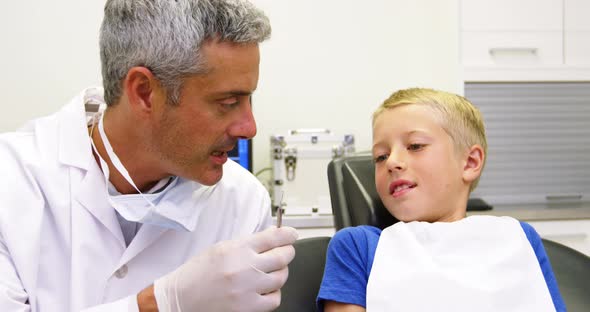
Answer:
(173, 207)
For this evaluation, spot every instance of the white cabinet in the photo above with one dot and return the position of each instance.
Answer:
(572, 233)
(506, 33)
(577, 32)
(525, 40)
(510, 15)
(517, 49)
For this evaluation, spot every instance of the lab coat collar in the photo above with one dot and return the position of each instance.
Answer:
(146, 235)
(90, 193)
(95, 202)
(73, 131)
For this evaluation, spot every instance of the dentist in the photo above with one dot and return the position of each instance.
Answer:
(136, 207)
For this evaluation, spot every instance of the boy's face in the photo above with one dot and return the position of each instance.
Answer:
(418, 172)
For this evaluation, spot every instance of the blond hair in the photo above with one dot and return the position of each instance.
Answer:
(458, 117)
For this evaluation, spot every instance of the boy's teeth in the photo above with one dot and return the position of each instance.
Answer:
(401, 187)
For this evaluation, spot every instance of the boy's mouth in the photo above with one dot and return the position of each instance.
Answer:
(400, 187)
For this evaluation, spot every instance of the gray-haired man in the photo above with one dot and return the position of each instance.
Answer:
(136, 207)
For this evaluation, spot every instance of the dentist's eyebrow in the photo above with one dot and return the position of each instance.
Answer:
(234, 92)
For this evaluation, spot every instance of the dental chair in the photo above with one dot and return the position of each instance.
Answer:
(355, 202)
(305, 275)
(353, 194)
(572, 271)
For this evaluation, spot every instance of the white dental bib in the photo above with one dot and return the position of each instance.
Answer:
(480, 263)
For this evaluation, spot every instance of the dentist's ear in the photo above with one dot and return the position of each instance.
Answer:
(474, 162)
(140, 84)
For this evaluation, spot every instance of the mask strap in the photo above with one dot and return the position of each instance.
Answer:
(114, 158)
(103, 164)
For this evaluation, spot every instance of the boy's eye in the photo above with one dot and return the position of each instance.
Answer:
(381, 158)
(415, 147)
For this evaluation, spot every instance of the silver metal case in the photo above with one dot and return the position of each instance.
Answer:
(300, 160)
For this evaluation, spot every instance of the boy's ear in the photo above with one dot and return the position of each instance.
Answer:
(473, 163)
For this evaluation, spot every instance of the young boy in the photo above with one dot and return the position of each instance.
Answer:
(429, 150)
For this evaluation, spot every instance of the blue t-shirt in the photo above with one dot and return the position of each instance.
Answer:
(350, 258)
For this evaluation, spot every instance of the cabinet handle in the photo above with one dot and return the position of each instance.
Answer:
(494, 51)
(568, 197)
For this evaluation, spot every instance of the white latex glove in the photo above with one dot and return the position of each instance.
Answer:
(238, 275)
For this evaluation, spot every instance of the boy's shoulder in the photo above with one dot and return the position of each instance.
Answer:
(530, 232)
(354, 246)
(362, 235)
(357, 231)
(527, 228)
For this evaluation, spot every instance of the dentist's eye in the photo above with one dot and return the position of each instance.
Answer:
(229, 102)
(415, 147)
(381, 158)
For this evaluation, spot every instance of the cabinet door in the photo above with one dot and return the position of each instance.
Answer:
(514, 49)
(510, 15)
(511, 34)
(577, 32)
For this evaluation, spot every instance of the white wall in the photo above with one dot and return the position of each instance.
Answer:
(329, 63)
(49, 52)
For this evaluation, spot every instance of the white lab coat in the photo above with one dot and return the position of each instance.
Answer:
(61, 246)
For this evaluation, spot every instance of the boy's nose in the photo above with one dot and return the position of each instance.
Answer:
(396, 162)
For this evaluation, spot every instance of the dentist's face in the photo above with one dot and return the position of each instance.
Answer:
(418, 173)
(215, 110)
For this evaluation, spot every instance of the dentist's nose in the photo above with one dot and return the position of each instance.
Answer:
(245, 125)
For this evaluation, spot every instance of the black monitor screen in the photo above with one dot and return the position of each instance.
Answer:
(242, 153)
